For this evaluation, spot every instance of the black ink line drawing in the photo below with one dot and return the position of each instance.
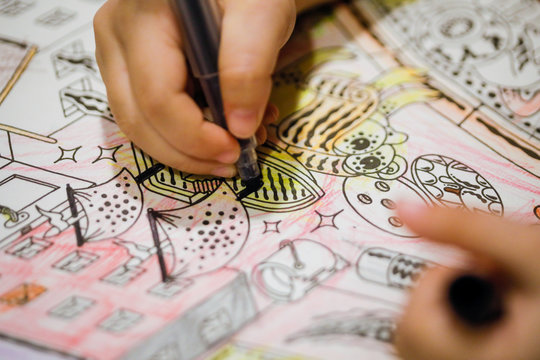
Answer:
(28, 248)
(157, 244)
(15, 7)
(295, 269)
(208, 323)
(76, 261)
(83, 97)
(148, 173)
(344, 129)
(288, 185)
(390, 268)
(375, 201)
(14, 57)
(356, 325)
(327, 220)
(9, 213)
(490, 50)
(56, 17)
(107, 210)
(107, 153)
(437, 179)
(17, 194)
(170, 182)
(74, 58)
(74, 214)
(201, 238)
(67, 154)
(71, 307)
(120, 321)
(168, 352)
(170, 288)
(123, 275)
(271, 226)
(452, 183)
(536, 211)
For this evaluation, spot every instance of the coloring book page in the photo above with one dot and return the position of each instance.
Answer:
(106, 254)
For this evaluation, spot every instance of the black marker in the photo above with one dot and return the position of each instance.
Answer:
(475, 299)
(200, 23)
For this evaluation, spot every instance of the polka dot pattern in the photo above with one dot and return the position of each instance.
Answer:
(208, 235)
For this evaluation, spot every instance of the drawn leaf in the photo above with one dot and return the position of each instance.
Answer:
(288, 185)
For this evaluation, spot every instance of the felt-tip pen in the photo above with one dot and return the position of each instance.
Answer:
(476, 300)
(200, 24)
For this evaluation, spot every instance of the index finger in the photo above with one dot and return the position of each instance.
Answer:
(513, 246)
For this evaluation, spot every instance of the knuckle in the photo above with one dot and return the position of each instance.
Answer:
(127, 126)
(151, 103)
(244, 72)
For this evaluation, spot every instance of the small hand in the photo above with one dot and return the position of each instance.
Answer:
(139, 53)
(430, 330)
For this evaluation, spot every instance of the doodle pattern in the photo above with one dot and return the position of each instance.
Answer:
(74, 58)
(129, 253)
(327, 220)
(206, 236)
(15, 7)
(376, 325)
(288, 186)
(490, 50)
(390, 268)
(271, 226)
(56, 17)
(344, 129)
(296, 268)
(71, 307)
(452, 183)
(84, 97)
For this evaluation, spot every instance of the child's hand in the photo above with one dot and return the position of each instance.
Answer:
(138, 49)
(430, 330)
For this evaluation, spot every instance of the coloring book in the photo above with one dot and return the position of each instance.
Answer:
(106, 255)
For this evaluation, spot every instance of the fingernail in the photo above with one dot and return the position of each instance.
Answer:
(242, 122)
(225, 171)
(228, 157)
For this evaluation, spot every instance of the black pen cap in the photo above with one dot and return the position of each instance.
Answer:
(476, 300)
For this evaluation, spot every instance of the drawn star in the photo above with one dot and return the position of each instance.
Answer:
(107, 153)
(327, 220)
(68, 154)
(270, 226)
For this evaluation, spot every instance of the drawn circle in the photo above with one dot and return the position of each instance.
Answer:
(382, 186)
(389, 204)
(537, 211)
(462, 32)
(364, 199)
(454, 184)
(22, 217)
(378, 207)
(395, 221)
(274, 280)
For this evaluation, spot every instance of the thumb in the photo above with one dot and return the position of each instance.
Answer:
(252, 34)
